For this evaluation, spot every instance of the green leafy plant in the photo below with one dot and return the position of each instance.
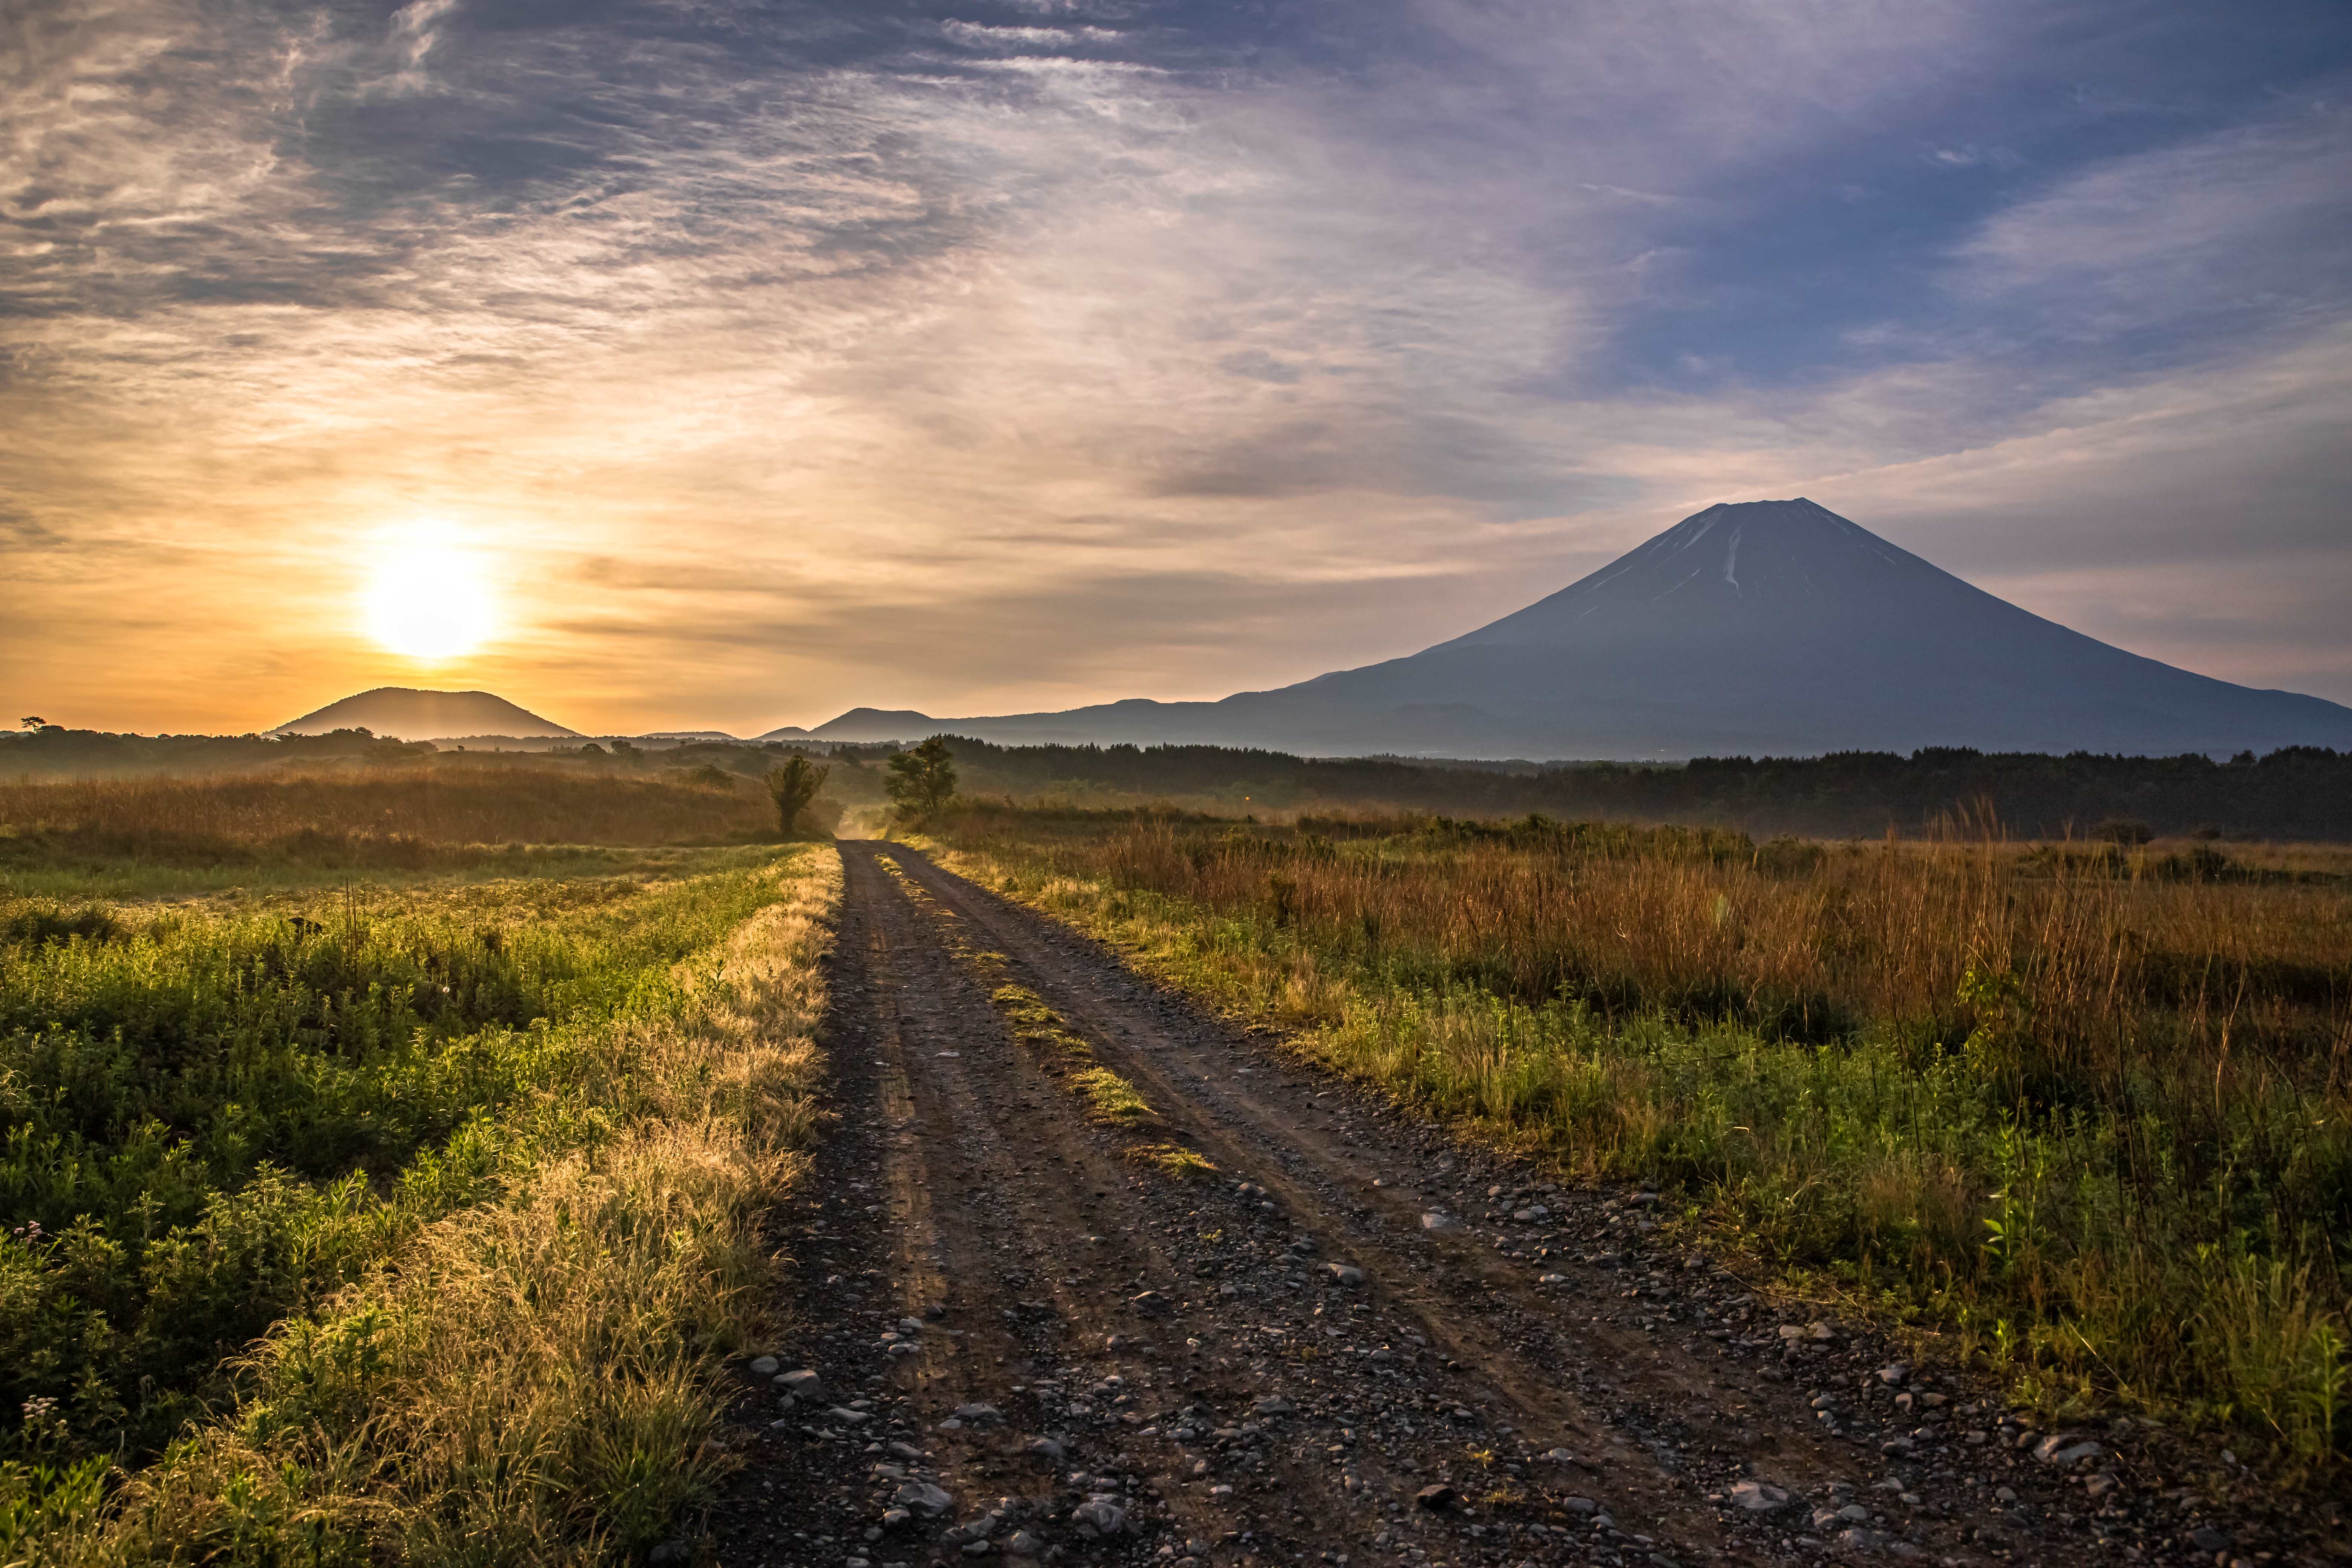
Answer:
(923, 780)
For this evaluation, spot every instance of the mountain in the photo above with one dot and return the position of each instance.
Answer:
(408, 714)
(1760, 628)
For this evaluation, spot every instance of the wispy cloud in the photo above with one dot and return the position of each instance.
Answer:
(1014, 355)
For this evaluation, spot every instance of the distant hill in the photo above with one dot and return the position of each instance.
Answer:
(413, 715)
(1758, 628)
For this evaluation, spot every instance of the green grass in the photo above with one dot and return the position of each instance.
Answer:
(1973, 1090)
(116, 879)
(408, 1233)
(1111, 1099)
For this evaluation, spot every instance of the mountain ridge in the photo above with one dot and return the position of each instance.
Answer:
(1773, 627)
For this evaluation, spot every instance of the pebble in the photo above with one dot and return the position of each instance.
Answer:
(1435, 1221)
(1100, 1514)
(1439, 1497)
(2063, 1449)
(923, 1498)
(1345, 1274)
(765, 1366)
(803, 1385)
(1758, 1497)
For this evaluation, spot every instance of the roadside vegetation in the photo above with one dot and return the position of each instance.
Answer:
(405, 1221)
(1110, 1100)
(2085, 1110)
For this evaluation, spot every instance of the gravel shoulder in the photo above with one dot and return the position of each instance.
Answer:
(1353, 1341)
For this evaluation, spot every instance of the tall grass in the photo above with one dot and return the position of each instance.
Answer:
(404, 816)
(518, 1139)
(2090, 1111)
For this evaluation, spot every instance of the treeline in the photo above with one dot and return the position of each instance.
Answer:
(54, 752)
(2300, 792)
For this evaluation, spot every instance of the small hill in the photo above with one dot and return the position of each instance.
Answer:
(406, 713)
(866, 725)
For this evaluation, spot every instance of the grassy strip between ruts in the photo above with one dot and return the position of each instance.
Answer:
(531, 1376)
(2063, 1246)
(1111, 1101)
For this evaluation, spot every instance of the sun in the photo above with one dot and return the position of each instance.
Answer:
(428, 598)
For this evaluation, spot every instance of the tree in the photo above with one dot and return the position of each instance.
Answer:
(793, 786)
(923, 780)
(33, 723)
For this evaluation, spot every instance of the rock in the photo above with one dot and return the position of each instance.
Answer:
(1435, 1221)
(1792, 1332)
(669, 1551)
(936, 1309)
(764, 1366)
(803, 1385)
(847, 1416)
(1438, 1497)
(2063, 1449)
(1021, 1543)
(1757, 1497)
(2100, 1485)
(892, 1517)
(1560, 1456)
(1100, 1514)
(1553, 1279)
(1346, 1274)
(1152, 1304)
(923, 1498)
(910, 1325)
(979, 1415)
(2205, 1538)
(1582, 1507)
(1046, 1448)
(1273, 1405)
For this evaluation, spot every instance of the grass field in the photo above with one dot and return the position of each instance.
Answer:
(406, 1219)
(2084, 1113)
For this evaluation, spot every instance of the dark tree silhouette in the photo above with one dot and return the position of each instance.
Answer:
(923, 780)
(793, 786)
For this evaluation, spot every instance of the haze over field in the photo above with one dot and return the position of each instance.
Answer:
(723, 366)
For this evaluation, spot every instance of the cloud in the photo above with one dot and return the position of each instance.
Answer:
(1032, 354)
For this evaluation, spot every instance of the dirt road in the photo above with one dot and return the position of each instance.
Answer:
(1353, 1342)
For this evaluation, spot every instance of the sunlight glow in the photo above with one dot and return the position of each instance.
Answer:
(428, 599)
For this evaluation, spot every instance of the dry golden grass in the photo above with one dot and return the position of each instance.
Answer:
(389, 816)
(2091, 1112)
(535, 1379)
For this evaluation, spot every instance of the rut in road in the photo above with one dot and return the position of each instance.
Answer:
(1036, 1343)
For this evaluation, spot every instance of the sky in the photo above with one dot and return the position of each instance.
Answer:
(728, 366)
